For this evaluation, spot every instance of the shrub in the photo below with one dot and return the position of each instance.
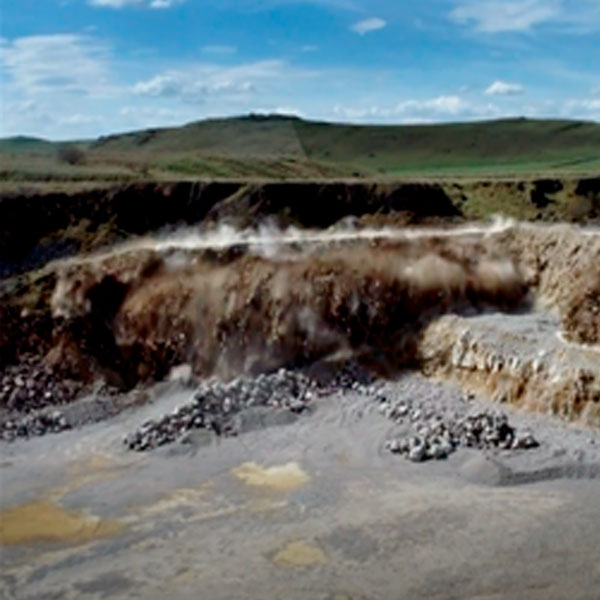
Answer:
(71, 155)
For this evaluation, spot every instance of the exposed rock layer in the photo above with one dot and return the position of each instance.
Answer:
(37, 227)
(228, 301)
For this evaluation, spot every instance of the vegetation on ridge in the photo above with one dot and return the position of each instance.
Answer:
(279, 147)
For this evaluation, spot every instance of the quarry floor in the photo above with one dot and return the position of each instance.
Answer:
(315, 508)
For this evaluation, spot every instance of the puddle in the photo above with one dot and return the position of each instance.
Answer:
(281, 478)
(48, 521)
(299, 554)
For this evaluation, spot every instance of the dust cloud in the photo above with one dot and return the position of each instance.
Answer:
(245, 302)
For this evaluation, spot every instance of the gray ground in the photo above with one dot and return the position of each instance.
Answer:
(338, 517)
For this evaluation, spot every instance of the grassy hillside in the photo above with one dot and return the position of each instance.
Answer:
(286, 147)
(24, 145)
(497, 146)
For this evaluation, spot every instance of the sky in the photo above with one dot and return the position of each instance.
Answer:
(83, 68)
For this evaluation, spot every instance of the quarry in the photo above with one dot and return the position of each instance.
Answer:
(298, 385)
(300, 300)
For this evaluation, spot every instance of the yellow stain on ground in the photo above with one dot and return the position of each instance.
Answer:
(299, 554)
(176, 499)
(281, 478)
(48, 521)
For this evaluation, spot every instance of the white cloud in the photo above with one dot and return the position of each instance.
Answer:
(584, 108)
(155, 4)
(502, 88)
(80, 119)
(451, 105)
(287, 111)
(65, 62)
(148, 111)
(419, 111)
(137, 117)
(198, 83)
(73, 85)
(511, 15)
(368, 25)
(42, 118)
(591, 105)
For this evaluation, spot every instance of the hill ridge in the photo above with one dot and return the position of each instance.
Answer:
(285, 146)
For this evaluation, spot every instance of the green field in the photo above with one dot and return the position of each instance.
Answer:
(279, 147)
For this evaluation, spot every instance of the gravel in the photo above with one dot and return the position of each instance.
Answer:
(434, 435)
(33, 425)
(103, 402)
(30, 385)
(431, 430)
(216, 403)
(34, 402)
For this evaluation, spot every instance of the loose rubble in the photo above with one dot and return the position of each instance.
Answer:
(348, 376)
(216, 403)
(33, 425)
(30, 385)
(434, 436)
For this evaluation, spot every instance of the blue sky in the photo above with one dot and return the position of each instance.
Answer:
(82, 68)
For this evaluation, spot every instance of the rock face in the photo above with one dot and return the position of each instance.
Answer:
(140, 310)
(247, 302)
(581, 313)
(93, 219)
(519, 360)
(560, 265)
(61, 225)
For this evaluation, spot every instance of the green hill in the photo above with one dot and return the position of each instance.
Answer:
(511, 145)
(519, 145)
(242, 136)
(23, 144)
(288, 147)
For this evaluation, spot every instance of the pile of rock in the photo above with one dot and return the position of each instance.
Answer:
(30, 385)
(436, 436)
(350, 376)
(346, 376)
(216, 403)
(33, 425)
